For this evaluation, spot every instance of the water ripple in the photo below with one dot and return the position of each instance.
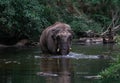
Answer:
(77, 56)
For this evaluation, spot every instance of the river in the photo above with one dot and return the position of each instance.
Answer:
(82, 65)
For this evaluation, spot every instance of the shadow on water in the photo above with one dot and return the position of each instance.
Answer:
(56, 70)
(29, 65)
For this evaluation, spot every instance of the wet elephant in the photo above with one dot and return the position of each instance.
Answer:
(56, 39)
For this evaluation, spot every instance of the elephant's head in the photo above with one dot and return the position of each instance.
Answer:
(63, 41)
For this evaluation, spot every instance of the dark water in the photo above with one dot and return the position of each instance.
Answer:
(29, 65)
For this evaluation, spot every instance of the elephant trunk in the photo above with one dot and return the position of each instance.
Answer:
(64, 49)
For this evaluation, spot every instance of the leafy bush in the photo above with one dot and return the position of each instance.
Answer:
(27, 18)
(24, 18)
(82, 24)
(113, 72)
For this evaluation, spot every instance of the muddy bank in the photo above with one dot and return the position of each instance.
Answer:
(20, 43)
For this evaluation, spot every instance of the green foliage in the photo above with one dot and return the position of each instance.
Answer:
(28, 18)
(92, 1)
(82, 24)
(113, 72)
(24, 18)
(117, 39)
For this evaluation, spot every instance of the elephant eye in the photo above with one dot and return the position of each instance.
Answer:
(53, 37)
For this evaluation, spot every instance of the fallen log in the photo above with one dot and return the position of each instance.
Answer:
(113, 30)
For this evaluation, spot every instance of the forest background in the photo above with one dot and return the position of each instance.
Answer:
(20, 19)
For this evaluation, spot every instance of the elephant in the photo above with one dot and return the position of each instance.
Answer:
(56, 39)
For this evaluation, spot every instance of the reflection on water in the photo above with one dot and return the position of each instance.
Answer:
(56, 70)
(28, 65)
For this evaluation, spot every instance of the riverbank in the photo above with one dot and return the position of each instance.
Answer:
(21, 43)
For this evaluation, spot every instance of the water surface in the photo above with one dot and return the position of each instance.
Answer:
(29, 65)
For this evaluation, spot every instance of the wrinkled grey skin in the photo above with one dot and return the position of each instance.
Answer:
(56, 39)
